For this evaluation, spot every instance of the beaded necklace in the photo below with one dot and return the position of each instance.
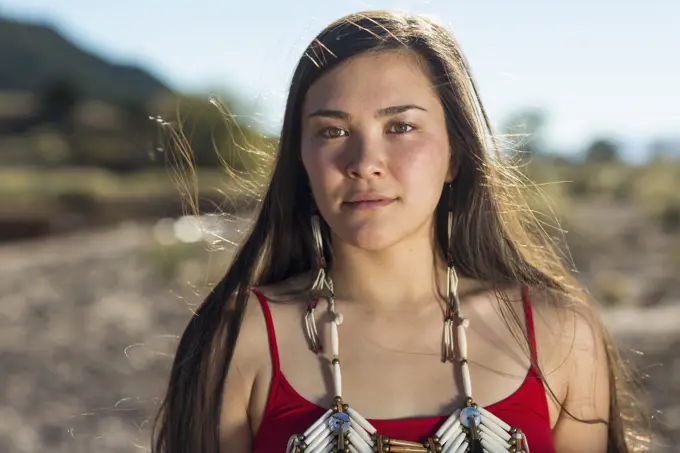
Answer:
(342, 429)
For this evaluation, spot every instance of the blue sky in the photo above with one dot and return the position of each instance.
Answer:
(598, 67)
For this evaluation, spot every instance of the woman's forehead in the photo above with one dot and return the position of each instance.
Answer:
(377, 79)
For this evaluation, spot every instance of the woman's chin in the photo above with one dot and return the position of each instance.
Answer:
(370, 239)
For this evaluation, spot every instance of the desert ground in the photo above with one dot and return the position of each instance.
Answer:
(89, 322)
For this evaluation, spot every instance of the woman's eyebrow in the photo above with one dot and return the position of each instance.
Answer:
(387, 111)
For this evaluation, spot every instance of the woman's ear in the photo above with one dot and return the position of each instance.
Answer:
(452, 172)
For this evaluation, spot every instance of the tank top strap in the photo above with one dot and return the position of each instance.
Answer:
(531, 332)
(271, 333)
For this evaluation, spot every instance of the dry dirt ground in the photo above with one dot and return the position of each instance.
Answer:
(88, 326)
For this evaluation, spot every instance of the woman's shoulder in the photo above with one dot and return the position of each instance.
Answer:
(563, 315)
(569, 330)
(268, 310)
(267, 306)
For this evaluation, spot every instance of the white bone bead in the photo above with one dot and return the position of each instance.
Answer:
(320, 430)
(318, 448)
(526, 443)
(353, 449)
(337, 379)
(497, 430)
(492, 446)
(495, 419)
(449, 421)
(453, 446)
(462, 342)
(335, 342)
(322, 440)
(448, 339)
(319, 433)
(490, 433)
(467, 382)
(291, 444)
(359, 432)
(316, 424)
(361, 421)
(325, 449)
(452, 432)
(359, 443)
(361, 448)
(462, 448)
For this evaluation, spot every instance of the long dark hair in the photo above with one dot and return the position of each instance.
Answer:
(496, 237)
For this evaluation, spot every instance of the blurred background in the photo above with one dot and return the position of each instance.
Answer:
(100, 266)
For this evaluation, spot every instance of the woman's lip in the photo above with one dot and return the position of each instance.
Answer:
(368, 205)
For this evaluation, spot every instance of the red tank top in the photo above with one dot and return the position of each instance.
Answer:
(288, 413)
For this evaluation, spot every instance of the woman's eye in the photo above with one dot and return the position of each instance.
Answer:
(333, 132)
(400, 128)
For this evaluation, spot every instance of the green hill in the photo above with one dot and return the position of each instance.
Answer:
(35, 56)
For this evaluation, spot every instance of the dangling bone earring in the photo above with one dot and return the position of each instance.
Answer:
(452, 311)
(320, 283)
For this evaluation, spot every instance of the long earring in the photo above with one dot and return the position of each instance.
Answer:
(452, 311)
(320, 282)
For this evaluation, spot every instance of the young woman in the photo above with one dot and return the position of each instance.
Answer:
(395, 293)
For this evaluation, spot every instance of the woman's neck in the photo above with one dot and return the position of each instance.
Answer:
(405, 274)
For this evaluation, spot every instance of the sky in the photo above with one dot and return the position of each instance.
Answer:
(596, 67)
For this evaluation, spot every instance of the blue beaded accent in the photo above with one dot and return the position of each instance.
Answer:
(470, 413)
(338, 420)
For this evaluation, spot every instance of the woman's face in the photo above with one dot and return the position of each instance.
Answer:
(375, 148)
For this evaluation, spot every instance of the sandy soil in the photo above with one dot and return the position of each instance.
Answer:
(87, 329)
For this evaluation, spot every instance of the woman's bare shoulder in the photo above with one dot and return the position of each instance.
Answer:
(251, 365)
(279, 299)
(573, 340)
(567, 326)
(563, 314)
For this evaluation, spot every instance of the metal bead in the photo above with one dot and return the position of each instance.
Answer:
(345, 407)
(336, 361)
(468, 401)
(513, 441)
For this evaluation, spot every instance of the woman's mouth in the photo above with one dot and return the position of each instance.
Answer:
(367, 203)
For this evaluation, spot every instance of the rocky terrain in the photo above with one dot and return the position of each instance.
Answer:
(89, 321)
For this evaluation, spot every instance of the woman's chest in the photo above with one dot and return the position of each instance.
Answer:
(394, 370)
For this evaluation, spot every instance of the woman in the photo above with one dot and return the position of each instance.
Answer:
(391, 226)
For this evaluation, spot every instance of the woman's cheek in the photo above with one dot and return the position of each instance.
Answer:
(321, 171)
(420, 161)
